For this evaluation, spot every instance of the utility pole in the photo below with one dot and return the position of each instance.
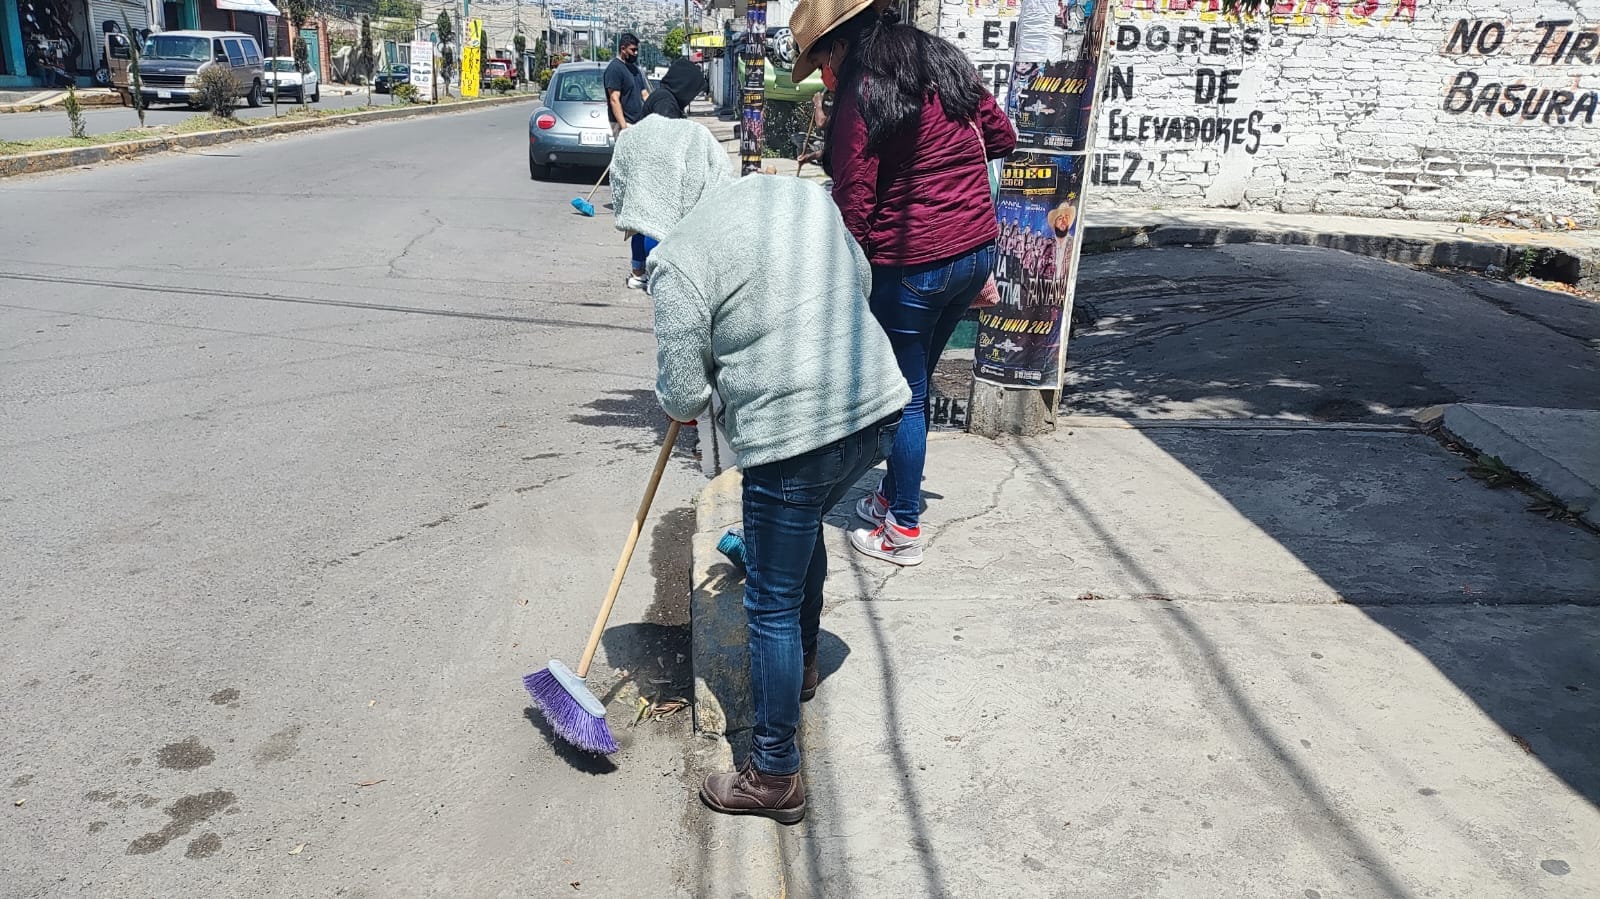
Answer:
(1019, 363)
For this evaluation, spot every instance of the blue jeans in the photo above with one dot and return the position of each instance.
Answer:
(785, 565)
(641, 251)
(919, 307)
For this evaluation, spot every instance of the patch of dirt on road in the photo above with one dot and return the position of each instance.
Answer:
(186, 755)
(185, 814)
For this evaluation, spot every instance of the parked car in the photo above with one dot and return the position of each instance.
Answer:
(492, 69)
(283, 79)
(570, 127)
(171, 62)
(386, 80)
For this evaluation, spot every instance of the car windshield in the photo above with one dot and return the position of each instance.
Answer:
(581, 86)
(400, 70)
(280, 64)
(177, 46)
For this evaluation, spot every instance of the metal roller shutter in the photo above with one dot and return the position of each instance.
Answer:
(124, 12)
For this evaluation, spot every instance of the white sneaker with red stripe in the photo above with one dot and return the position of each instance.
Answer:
(873, 508)
(889, 542)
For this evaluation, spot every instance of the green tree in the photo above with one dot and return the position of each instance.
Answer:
(672, 44)
(603, 54)
(74, 111)
(298, 12)
(410, 10)
(521, 43)
(447, 34)
(135, 79)
(366, 58)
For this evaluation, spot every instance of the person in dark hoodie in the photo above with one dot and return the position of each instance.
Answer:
(683, 82)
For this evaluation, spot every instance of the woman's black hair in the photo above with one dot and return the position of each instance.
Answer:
(892, 68)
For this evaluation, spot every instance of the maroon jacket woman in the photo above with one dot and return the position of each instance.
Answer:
(907, 147)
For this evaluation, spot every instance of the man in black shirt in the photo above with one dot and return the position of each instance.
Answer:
(625, 84)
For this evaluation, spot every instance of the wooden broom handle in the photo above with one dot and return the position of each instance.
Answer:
(596, 189)
(805, 145)
(627, 550)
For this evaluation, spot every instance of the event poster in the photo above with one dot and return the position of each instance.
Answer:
(1051, 99)
(1019, 338)
(1052, 104)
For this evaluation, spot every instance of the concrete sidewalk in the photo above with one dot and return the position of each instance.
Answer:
(1172, 661)
(33, 101)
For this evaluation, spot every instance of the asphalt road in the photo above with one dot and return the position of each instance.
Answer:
(105, 119)
(313, 447)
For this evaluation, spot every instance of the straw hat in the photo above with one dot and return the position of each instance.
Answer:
(811, 20)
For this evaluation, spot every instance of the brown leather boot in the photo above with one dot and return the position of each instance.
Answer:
(808, 680)
(781, 797)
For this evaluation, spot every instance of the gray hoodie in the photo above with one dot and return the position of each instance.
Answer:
(759, 291)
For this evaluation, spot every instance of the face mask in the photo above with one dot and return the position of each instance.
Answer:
(829, 79)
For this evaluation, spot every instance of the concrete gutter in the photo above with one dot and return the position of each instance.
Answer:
(1556, 449)
(716, 613)
(50, 160)
(744, 855)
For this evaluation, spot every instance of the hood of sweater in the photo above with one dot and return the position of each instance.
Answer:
(660, 169)
(684, 81)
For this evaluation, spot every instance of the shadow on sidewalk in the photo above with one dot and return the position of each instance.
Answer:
(1382, 519)
(1321, 336)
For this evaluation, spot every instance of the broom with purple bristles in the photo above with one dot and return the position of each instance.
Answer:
(574, 712)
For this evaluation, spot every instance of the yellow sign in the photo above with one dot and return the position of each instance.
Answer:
(472, 58)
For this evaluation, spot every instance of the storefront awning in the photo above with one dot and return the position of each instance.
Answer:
(263, 7)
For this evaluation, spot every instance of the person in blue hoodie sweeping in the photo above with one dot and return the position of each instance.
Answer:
(761, 294)
(682, 83)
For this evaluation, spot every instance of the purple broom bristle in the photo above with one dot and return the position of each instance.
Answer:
(567, 716)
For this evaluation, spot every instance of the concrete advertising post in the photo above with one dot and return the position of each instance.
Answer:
(422, 70)
(1021, 349)
(752, 124)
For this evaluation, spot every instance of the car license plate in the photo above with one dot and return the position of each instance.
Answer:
(163, 95)
(595, 139)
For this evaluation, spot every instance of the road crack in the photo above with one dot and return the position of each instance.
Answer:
(394, 271)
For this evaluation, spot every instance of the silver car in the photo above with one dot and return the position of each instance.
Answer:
(570, 127)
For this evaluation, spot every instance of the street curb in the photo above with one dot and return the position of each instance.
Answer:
(51, 160)
(1570, 265)
(1476, 426)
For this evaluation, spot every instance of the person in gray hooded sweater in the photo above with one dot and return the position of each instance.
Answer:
(761, 294)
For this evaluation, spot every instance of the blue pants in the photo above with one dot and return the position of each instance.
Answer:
(786, 563)
(641, 251)
(919, 307)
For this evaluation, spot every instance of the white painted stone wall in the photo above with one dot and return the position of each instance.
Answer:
(1396, 108)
